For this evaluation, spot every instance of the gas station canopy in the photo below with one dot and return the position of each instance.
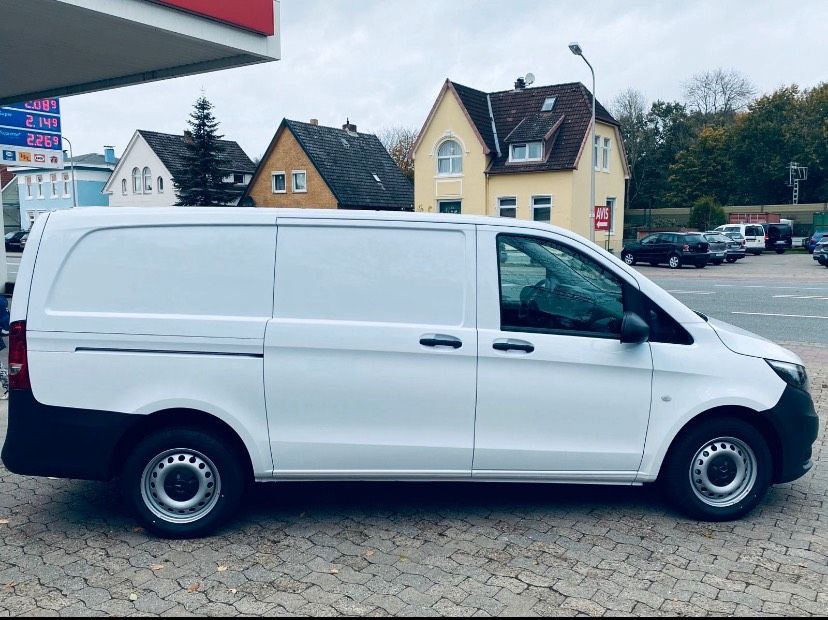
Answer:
(54, 48)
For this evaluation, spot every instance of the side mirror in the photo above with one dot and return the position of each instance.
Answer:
(634, 329)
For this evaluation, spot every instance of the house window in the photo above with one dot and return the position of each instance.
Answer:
(278, 182)
(160, 184)
(606, 155)
(548, 104)
(300, 181)
(542, 208)
(507, 207)
(124, 187)
(611, 207)
(450, 206)
(530, 151)
(136, 181)
(54, 182)
(238, 179)
(67, 191)
(28, 188)
(40, 195)
(595, 148)
(449, 158)
(147, 180)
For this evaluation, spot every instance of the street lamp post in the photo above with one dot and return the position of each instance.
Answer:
(575, 48)
(72, 166)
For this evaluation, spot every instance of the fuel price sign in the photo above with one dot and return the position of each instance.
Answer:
(30, 134)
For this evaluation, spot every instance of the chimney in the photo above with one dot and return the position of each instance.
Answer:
(520, 84)
(314, 122)
(109, 154)
(350, 128)
(188, 136)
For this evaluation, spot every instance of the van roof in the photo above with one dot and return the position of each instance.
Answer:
(107, 216)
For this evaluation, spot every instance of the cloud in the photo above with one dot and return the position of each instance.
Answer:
(382, 63)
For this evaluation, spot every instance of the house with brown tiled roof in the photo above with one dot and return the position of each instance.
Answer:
(523, 153)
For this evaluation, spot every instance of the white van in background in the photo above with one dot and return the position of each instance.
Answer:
(345, 345)
(754, 236)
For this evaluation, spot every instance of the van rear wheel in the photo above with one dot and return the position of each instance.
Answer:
(183, 482)
(718, 470)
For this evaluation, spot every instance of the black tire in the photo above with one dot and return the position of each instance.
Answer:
(701, 265)
(229, 479)
(732, 259)
(780, 251)
(680, 488)
(718, 262)
(674, 262)
(628, 258)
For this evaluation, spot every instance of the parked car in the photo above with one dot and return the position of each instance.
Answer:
(811, 242)
(675, 249)
(369, 345)
(717, 247)
(821, 252)
(754, 235)
(778, 237)
(734, 247)
(16, 241)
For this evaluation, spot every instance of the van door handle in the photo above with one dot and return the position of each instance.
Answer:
(439, 340)
(513, 345)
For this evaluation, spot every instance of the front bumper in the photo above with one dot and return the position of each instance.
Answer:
(796, 426)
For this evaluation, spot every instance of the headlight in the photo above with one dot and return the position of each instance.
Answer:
(792, 374)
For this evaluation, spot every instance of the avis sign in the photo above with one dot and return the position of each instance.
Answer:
(602, 218)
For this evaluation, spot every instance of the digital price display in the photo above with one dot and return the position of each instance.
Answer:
(30, 133)
(10, 117)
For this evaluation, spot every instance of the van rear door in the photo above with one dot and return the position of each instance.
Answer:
(371, 357)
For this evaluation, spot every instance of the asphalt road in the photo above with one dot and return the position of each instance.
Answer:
(778, 310)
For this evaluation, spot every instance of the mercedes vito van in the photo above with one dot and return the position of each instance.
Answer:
(345, 345)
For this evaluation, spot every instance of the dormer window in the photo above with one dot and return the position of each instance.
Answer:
(529, 151)
(548, 104)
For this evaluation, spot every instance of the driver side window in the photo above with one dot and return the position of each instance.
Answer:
(548, 287)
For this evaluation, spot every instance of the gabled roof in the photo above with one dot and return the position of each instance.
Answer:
(172, 149)
(92, 159)
(517, 116)
(348, 161)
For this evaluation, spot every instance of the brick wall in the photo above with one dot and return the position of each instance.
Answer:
(287, 155)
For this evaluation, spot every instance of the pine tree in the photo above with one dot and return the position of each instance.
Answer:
(201, 180)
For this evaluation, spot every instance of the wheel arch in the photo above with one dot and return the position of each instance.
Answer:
(178, 417)
(749, 416)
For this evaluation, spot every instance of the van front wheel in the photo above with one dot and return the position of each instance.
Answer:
(183, 483)
(719, 470)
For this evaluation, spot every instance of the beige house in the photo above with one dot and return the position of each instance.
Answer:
(521, 153)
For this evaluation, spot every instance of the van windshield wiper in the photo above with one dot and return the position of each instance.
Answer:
(704, 316)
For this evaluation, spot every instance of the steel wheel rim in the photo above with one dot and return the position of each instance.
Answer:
(674, 261)
(628, 258)
(723, 472)
(180, 485)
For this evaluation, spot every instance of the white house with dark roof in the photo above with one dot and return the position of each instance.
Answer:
(144, 176)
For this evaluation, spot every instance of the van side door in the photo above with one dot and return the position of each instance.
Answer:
(371, 355)
(559, 396)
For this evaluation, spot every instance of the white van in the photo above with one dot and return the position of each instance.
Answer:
(189, 352)
(754, 235)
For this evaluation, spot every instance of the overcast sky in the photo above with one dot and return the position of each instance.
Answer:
(382, 62)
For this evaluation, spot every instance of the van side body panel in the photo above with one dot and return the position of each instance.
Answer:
(148, 313)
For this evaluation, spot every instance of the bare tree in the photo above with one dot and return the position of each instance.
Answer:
(399, 142)
(630, 110)
(722, 91)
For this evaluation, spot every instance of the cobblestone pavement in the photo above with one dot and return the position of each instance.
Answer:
(67, 547)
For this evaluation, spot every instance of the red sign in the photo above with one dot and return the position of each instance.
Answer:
(602, 218)
(255, 15)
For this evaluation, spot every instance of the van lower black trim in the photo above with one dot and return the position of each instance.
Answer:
(61, 442)
(167, 352)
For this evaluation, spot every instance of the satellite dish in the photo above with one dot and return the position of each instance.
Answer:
(530, 79)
